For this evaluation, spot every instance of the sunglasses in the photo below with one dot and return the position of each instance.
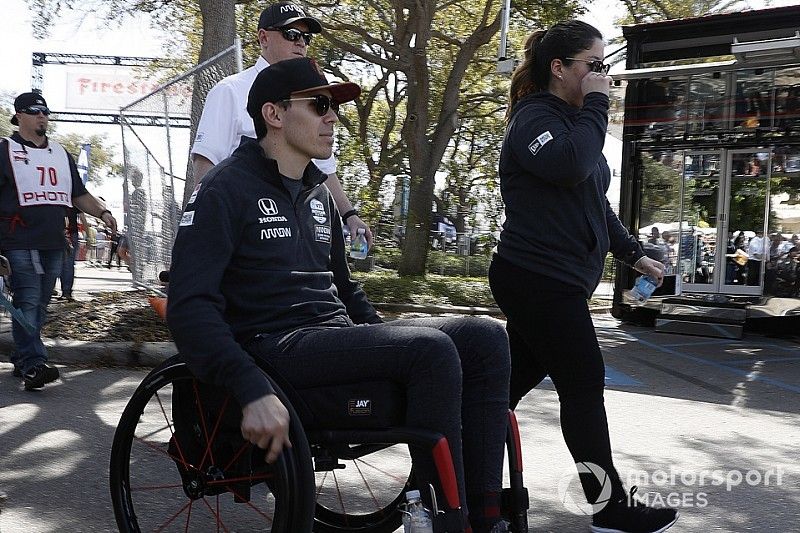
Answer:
(35, 110)
(594, 64)
(322, 103)
(293, 34)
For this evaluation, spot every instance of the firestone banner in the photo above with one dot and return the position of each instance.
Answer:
(97, 89)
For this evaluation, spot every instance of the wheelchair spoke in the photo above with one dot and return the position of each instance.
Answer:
(176, 515)
(215, 514)
(369, 488)
(381, 470)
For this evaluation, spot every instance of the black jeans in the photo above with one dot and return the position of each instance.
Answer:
(455, 372)
(551, 333)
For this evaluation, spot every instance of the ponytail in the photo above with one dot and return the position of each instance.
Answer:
(522, 83)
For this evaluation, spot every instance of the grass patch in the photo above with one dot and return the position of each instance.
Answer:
(388, 287)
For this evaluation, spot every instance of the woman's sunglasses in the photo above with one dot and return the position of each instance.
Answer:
(594, 65)
(322, 103)
(35, 110)
(293, 34)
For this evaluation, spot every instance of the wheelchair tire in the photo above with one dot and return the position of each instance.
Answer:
(152, 488)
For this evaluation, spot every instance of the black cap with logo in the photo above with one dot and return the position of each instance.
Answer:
(26, 100)
(284, 13)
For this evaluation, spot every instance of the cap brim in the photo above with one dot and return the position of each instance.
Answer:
(341, 92)
(314, 25)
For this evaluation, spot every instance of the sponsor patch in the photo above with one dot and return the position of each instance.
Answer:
(268, 206)
(193, 197)
(199, 137)
(359, 407)
(318, 211)
(187, 219)
(540, 141)
(276, 233)
(322, 233)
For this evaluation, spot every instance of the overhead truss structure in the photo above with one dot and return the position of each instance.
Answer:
(40, 59)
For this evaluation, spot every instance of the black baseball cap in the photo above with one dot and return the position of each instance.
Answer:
(284, 13)
(26, 100)
(294, 77)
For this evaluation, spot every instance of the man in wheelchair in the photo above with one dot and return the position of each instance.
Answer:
(259, 271)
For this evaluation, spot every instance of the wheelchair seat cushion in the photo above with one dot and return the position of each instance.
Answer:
(360, 405)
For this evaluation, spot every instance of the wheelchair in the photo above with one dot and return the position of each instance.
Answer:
(179, 462)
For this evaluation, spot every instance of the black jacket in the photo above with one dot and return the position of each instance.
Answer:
(247, 260)
(554, 179)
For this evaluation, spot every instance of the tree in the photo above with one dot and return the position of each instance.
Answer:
(655, 10)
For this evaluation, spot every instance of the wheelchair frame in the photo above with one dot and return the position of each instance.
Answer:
(291, 480)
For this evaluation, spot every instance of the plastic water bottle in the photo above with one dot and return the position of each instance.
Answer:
(416, 519)
(358, 246)
(643, 288)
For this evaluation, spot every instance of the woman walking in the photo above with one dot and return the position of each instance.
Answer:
(559, 227)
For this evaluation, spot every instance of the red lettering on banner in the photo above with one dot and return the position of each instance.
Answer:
(118, 88)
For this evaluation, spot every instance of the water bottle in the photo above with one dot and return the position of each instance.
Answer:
(643, 288)
(358, 246)
(416, 519)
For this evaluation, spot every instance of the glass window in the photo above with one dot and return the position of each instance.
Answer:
(706, 108)
(754, 99)
(660, 205)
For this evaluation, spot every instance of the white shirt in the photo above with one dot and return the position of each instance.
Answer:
(225, 119)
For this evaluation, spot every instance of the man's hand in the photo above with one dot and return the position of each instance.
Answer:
(109, 220)
(353, 223)
(650, 267)
(265, 423)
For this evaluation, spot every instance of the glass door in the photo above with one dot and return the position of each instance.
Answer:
(744, 226)
(700, 207)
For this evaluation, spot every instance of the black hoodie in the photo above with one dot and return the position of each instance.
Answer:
(249, 259)
(554, 179)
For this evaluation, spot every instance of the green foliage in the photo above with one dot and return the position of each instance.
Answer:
(388, 287)
(655, 10)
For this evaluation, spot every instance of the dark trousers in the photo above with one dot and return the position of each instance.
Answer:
(455, 372)
(551, 333)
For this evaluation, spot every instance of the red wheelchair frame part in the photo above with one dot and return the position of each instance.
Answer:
(447, 473)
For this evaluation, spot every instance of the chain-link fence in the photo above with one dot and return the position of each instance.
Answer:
(156, 134)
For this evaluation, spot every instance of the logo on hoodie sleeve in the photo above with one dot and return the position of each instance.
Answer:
(540, 141)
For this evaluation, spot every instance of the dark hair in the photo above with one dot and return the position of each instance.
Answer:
(261, 125)
(561, 41)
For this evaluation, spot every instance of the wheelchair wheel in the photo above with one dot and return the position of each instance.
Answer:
(164, 478)
(359, 488)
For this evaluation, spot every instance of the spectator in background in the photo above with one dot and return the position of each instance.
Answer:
(284, 32)
(70, 253)
(138, 221)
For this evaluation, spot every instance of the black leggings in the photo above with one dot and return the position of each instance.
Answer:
(551, 333)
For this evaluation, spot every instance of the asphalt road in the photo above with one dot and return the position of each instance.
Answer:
(712, 426)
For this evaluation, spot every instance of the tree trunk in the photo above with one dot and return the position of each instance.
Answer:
(219, 32)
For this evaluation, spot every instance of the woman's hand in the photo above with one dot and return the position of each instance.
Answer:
(650, 267)
(595, 82)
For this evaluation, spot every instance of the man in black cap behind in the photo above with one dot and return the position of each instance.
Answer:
(275, 285)
(284, 32)
(39, 182)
